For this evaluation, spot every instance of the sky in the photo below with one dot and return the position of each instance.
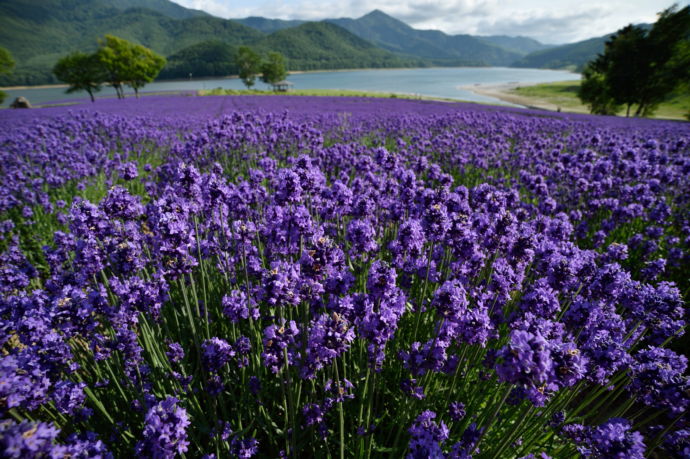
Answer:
(549, 21)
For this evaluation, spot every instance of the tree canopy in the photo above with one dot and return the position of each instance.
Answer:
(249, 64)
(6, 61)
(273, 69)
(6, 66)
(128, 63)
(640, 68)
(82, 72)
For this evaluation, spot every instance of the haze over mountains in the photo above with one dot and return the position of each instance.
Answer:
(38, 32)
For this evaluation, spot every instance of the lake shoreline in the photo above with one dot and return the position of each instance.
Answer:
(505, 92)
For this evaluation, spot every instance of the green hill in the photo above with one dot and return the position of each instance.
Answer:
(321, 45)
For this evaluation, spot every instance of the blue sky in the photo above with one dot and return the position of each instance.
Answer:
(549, 21)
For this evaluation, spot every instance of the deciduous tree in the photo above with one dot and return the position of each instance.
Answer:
(82, 72)
(273, 69)
(6, 66)
(249, 63)
(640, 68)
(128, 64)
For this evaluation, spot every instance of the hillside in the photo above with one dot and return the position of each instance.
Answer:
(432, 45)
(322, 45)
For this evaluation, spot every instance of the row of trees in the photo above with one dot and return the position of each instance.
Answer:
(117, 62)
(639, 67)
(250, 64)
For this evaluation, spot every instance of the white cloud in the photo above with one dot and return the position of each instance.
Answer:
(550, 21)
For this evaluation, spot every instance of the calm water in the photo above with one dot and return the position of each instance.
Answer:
(433, 82)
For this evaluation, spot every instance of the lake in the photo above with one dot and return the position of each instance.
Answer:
(448, 83)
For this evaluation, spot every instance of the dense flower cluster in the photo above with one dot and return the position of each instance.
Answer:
(345, 277)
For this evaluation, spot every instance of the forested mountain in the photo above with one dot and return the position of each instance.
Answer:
(519, 45)
(266, 25)
(572, 56)
(433, 46)
(322, 45)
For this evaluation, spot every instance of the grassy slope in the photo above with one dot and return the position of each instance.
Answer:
(564, 94)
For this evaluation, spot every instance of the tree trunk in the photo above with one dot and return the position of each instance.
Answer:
(640, 108)
(627, 111)
(91, 95)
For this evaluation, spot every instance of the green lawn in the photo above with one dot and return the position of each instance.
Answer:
(564, 94)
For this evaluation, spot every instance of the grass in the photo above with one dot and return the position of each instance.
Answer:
(564, 95)
(319, 92)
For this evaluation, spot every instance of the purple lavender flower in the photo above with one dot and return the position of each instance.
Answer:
(128, 171)
(427, 437)
(362, 236)
(244, 448)
(175, 352)
(165, 430)
(276, 339)
(526, 361)
(237, 306)
(216, 353)
(329, 337)
(28, 439)
(456, 411)
(614, 438)
(280, 285)
(68, 396)
(659, 379)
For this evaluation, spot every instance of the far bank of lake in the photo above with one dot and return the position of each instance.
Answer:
(446, 83)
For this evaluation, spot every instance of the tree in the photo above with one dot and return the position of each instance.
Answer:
(594, 92)
(627, 66)
(6, 66)
(82, 72)
(146, 66)
(249, 64)
(640, 68)
(668, 56)
(128, 64)
(273, 69)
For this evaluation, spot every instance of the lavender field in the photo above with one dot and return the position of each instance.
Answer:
(341, 277)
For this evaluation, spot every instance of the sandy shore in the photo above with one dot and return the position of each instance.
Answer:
(505, 92)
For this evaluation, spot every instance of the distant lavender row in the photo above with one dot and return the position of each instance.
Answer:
(286, 276)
